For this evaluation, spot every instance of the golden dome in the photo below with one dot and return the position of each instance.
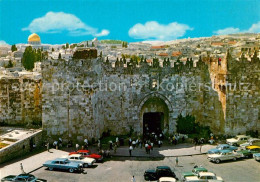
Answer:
(34, 38)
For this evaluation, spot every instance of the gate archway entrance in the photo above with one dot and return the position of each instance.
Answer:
(154, 115)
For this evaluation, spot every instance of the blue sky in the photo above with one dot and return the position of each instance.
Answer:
(72, 21)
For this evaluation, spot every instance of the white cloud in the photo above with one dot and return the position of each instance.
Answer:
(225, 31)
(57, 22)
(3, 43)
(154, 31)
(102, 33)
(255, 28)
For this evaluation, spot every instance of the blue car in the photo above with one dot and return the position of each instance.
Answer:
(221, 147)
(22, 177)
(63, 164)
(256, 156)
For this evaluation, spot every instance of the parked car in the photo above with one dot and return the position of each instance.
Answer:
(223, 155)
(22, 177)
(160, 171)
(250, 150)
(85, 161)
(221, 147)
(86, 153)
(194, 172)
(203, 177)
(251, 141)
(239, 139)
(64, 164)
(256, 156)
(167, 179)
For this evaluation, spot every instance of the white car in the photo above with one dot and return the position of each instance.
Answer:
(203, 177)
(224, 155)
(239, 139)
(167, 179)
(251, 141)
(85, 161)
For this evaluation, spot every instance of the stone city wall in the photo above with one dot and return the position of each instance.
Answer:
(20, 101)
(101, 105)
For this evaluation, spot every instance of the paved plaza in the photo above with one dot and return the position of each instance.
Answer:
(120, 167)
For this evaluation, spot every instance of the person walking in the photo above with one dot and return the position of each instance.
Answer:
(77, 147)
(60, 142)
(133, 179)
(151, 145)
(159, 143)
(177, 161)
(48, 146)
(149, 148)
(130, 142)
(115, 147)
(133, 144)
(117, 141)
(195, 142)
(86, 144)
(130, 150)
(22, 170)
(146, 147)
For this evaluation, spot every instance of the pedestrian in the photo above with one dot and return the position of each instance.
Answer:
(149, 148)
(140, 144)
(69, 143)
(133, 179)
(160, 136)
(183, 139)
(137, 143)
(60, 142)
(159, 143)
(177, 161)
(21, 164)
(130, 142)
(133, 144)
(55, 144)
(151, 145)
(77, 147)
(48, 146)
(115, 147)
(99, 145)
(86, 144)
(173, 139)
(117, 141)
(195, 142)
(146, 147)
(110, 145)
(130, 150)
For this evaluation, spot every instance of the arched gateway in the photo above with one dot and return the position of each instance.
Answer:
(155, 114)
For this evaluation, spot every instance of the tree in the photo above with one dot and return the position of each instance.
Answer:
(10, 64)
(59, 56)
(14, 48)
(87, 43)
(92, 44)
(67, 45)
(52, 49)
(100, 55)
(29, 57)
(63, 47)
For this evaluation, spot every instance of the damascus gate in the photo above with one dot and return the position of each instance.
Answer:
(87, 97)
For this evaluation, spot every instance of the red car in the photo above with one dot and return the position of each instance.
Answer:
(86, 153)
